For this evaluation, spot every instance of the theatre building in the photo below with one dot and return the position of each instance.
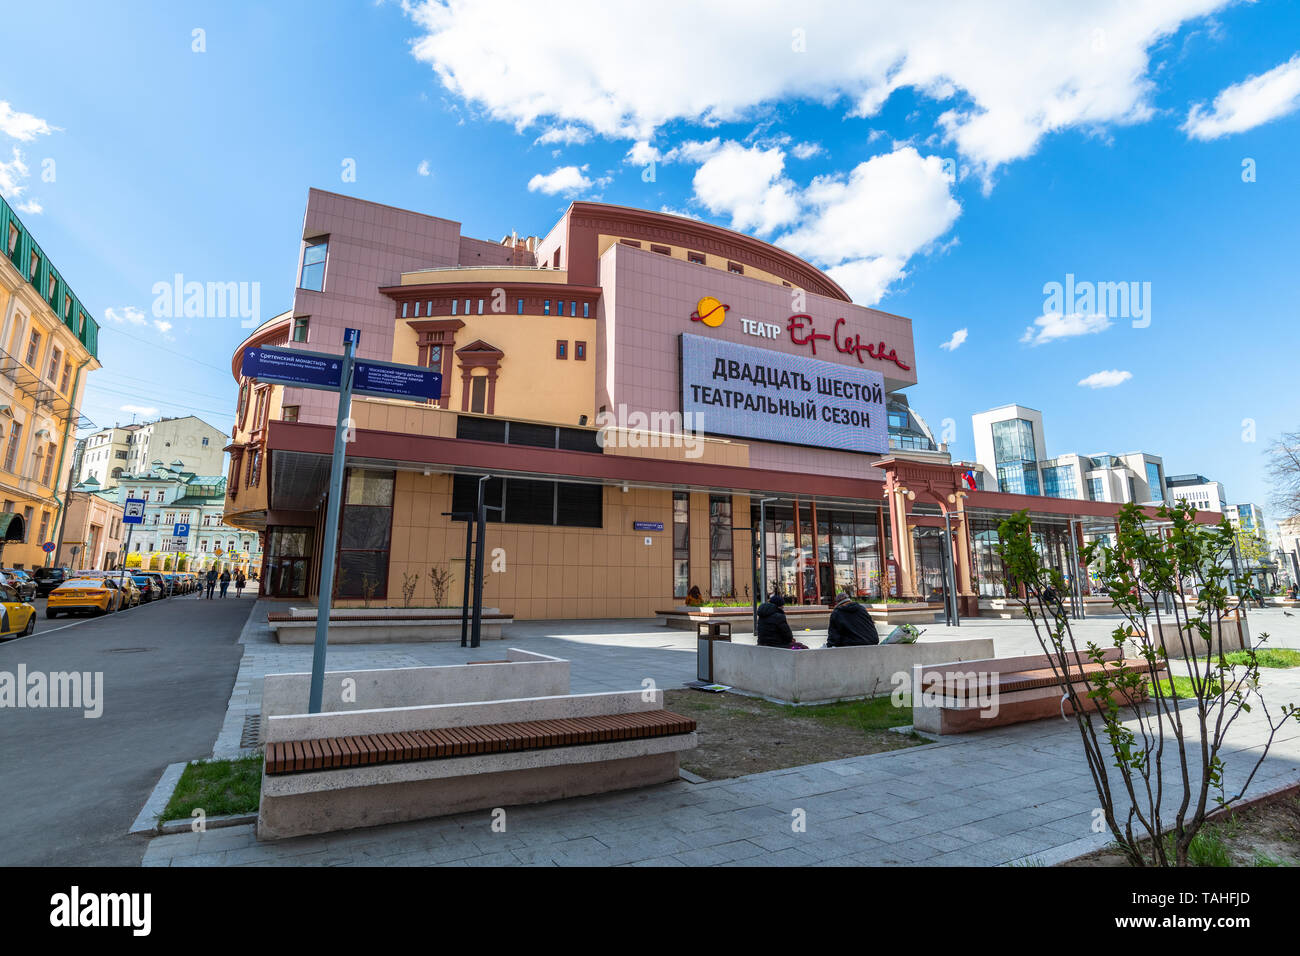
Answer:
(635, 384)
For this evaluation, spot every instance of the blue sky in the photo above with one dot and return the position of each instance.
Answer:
(944, 168)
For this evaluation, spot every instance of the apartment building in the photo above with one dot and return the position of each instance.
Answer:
(48, 345)
(130, 449)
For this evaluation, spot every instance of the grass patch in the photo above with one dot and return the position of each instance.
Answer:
(740, 735)
(217, 787)
(1183, 685)
(1267, 657)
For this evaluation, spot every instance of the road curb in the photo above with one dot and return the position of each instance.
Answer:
(147, 820)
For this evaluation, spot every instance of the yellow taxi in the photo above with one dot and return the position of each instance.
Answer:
(80, 594)
(17, 617)
(131, 593)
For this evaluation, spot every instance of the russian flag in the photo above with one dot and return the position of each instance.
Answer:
(969, 476)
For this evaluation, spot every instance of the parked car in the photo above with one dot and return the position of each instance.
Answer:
(150, 590)
(161, 582)
(131, 596)
(21, 583)
(47, 579)
(84, 595)
(17, 617)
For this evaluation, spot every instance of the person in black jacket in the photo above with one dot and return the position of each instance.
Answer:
(773, 628)
(850, 625)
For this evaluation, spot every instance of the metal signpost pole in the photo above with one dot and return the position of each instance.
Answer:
(481, 521)
(469, 544)
(332, 509)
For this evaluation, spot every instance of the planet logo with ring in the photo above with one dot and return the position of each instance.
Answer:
(710, 311)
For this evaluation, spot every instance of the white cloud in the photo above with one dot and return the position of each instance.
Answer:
(568, 134)
(694, 150)
(1054, 325)
(568, 180)
(12, 175)
(1250, 103)
(1107, 379)
(424, 169)
(22, 126)
(956, 341)
(684, 213)
(144, 411)
(31, 206)
(866, 226)
(748, 185)
(162, 326)
(642, 154)
(128, 314)
(1010, 72)
(807, 150)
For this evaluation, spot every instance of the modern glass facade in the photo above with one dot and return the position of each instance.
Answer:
(1058, 482)
(847, 547)
(1018, 479)
(1155, 489)
(1013, 440)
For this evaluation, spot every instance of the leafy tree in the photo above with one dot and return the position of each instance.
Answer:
(1284, 472)
(1123, 724)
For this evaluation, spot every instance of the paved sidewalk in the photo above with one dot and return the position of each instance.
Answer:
(1005, 795)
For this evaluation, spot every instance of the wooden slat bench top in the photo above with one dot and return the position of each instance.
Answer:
(1012, 681)
(281, 618)
(299, 756)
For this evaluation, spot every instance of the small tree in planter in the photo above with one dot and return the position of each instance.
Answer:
(1143, 569)
(409, 581)
(439, 578)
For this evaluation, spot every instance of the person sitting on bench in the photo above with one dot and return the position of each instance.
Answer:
(773, 628)
(850, 624)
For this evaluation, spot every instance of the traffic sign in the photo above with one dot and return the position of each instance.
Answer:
(218, 552)
(48, 546)
(133, 512)
(293, 367)
(390, 380)
(352, 335)
(181, 529)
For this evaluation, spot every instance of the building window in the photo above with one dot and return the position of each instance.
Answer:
(205, 443)
(467, 306)
(573, 309)
(406, 307)
(56, 359)
(586, 310)
(559, 307)
(561, 349)
(27, 522)
(1155, 489)
(519, 305)
(480, 306)
(13, 238)
(364, 532)
(313, 266)
(300, 325)
(11, 452)
(546, 307)
(45, 527)
(631, 242)
(580, 351)
(721, 582)
(160, 498)
(661, 250)
(735, 267)
(530, 501)
(696, 257)
(681, 543)
(453, 305)
(48, 472)
(33, 348)
(34, 264)
(478, 394)
(1013, 440)
(67, 378)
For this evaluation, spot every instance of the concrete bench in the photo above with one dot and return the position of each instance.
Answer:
(799, 616)
(820, 675)
(959, 697)
(378, 627)
(356, 765)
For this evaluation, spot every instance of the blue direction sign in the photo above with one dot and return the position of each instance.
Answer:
(181, 530)
(293, 367)
(133, 512)
(389, 380)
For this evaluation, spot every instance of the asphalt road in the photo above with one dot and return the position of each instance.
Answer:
(71, 786)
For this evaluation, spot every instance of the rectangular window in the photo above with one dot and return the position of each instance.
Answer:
(559, 307)
(453, 306)
(573, 309)
(428, 307)
(406, 308)
(696, 257)
(34, 264)
(289, 413)
(631, 242)
(480, 306)
(67, 378)
(681, 543)
(364, 531)
(520, 306)
(661, 250)
(721, 582)
(313, 266)
(205, 443)
(580, 351)
(300, 326)
(735, 267)
(56, 359)
(1013, 440)
(417, 309)
(48, 472)
(13, 239)
(33, 348)
(11, 451)
(561, 349)
(467, 306)
(45, 528)
(27, 522)
(478, 394)
(586, 310)
(546, 307)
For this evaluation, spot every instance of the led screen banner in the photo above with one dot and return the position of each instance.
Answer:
(748, 392)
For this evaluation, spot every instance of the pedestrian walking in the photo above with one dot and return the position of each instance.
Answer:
(240, 581)
(225, 581)
(212, 582)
